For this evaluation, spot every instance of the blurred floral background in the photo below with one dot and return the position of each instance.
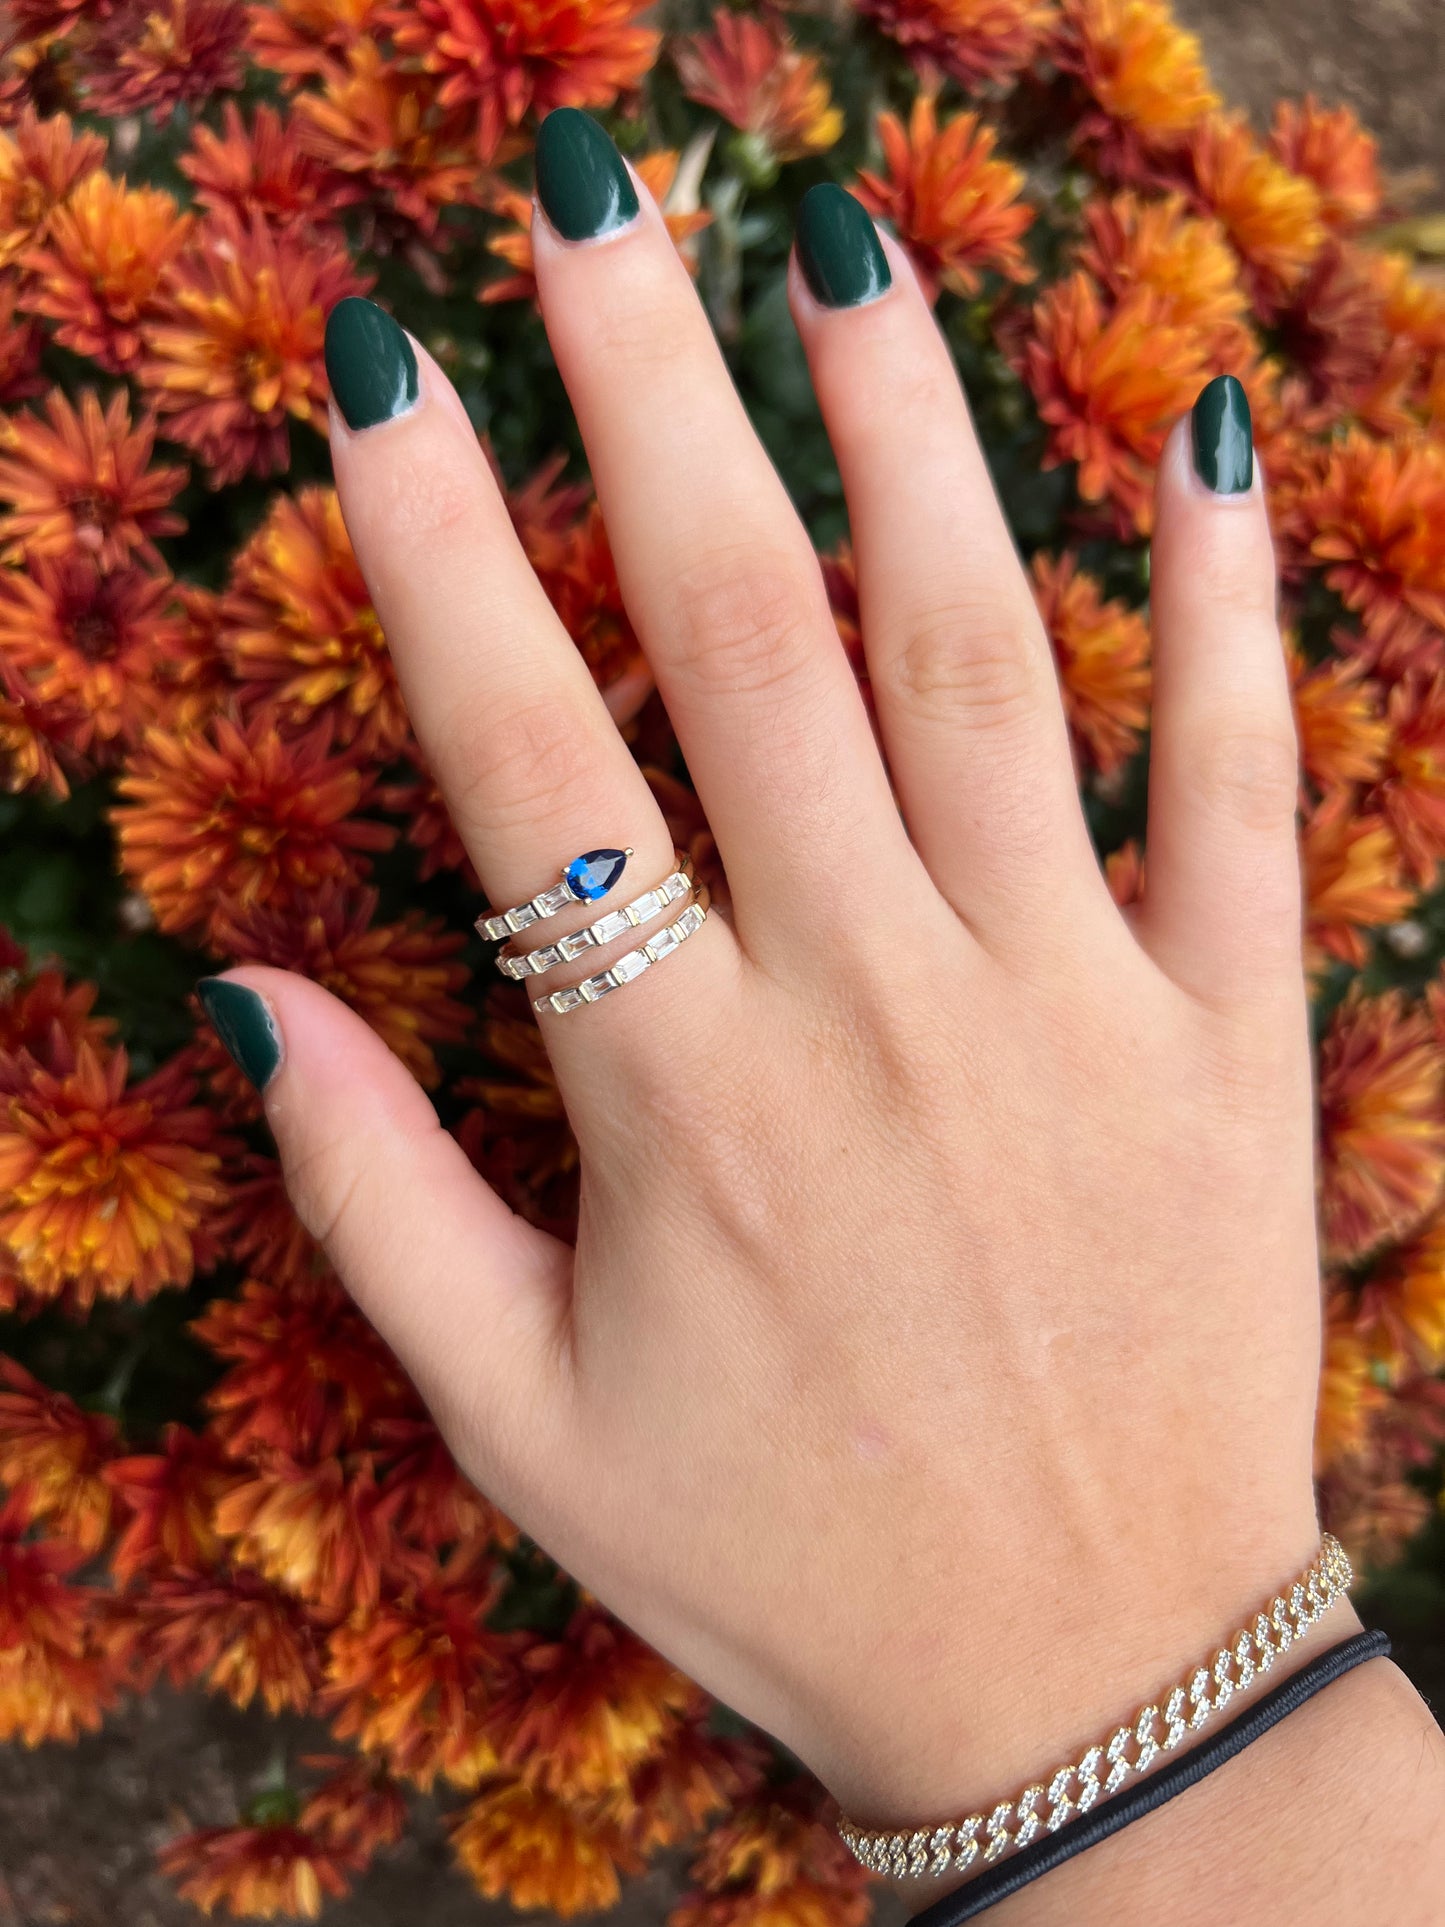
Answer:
(228, 1527)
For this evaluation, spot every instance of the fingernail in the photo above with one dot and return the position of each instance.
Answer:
(370, 363)
(584, 188)
(244, 1025)
(839, 251)
(1223, 437)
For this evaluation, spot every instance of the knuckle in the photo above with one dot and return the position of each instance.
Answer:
(510, 768)
(642, 329)
(428, 504)
(744, 619)
(324, 1183)
(1251, 774)
(965, 664)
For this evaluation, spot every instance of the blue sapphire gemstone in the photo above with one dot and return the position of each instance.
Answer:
(593, 875)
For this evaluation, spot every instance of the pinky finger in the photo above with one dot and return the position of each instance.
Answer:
(1221, 911)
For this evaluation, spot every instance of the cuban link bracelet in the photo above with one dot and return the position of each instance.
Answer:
(1079, 1784)
(643, 909)
(627, 967)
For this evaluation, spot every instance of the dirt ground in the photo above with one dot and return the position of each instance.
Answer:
(79, 1826)
(1386, 58)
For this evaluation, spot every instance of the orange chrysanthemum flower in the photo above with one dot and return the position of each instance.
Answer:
(261, 169)
(1405, 1298)
(210, 825)
(308, 1375)
(428, 826)
(409, 1681)
(773, 1862)
(517, 1841)
(691, 1777)
(1329, 147)
(749, 72)
(105, 1191)
(581, 581)
(977, 42)
(519, 1138)
(1160, 246)
(301, 39)
(43, 1017)
(1110, 384)
(1350, 1393)
(577, 1715)
(1354, 879)
(1272, 217)
(22, 342)
(1411, 794)
(99, 269)
(56, 1675)
(83, 479)
(513, 245)
(236, 352)
(1376, 520)
(170, 1498)
(1382, 1123)
(1102, 649)
(91, 651)
(54, 1456)
(356, 1810)
(1144, 73)
(390, 147)
(257, 1871)
(398, 976)
(41, 163)
(505, 58)
(954, 203)
(30, 758)
(323, 1532)
(231, 1629)
(300, 634)
(155, 55)
(1340, 714)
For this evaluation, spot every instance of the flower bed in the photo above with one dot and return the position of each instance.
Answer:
(214, 1474)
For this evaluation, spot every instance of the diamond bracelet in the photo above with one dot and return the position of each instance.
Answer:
(651, 903)
(1103, 1769)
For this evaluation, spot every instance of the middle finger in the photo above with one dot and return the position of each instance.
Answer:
(718, 573)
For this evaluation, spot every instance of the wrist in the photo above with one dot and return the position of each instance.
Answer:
(1002, 1788)
(1331, 1817)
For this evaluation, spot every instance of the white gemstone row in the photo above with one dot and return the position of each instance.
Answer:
(1077, 1786)
(629, 966)
(546, 905)
(641, 910)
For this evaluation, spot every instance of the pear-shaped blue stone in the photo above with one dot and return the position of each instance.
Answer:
(593, 875)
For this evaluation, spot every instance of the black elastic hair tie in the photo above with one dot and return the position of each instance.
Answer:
(1042, 1856)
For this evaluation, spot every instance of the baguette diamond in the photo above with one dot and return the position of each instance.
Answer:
(633, 964)
(531, 963)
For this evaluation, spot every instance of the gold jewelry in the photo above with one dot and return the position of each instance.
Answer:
(631, 965)
(531, 963)
(1076, 1787)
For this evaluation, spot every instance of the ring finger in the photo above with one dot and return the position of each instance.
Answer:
(504, 707)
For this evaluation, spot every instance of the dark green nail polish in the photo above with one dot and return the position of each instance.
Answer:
(370, 363)
(1223, 437)
(584, 188)
(839, 251)
(242, 1022)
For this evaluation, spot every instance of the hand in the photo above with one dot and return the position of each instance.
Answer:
(934, 1372)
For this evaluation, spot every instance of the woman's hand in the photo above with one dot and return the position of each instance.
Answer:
(933, 1376)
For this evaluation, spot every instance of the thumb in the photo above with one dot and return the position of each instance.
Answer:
(470, 1297)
